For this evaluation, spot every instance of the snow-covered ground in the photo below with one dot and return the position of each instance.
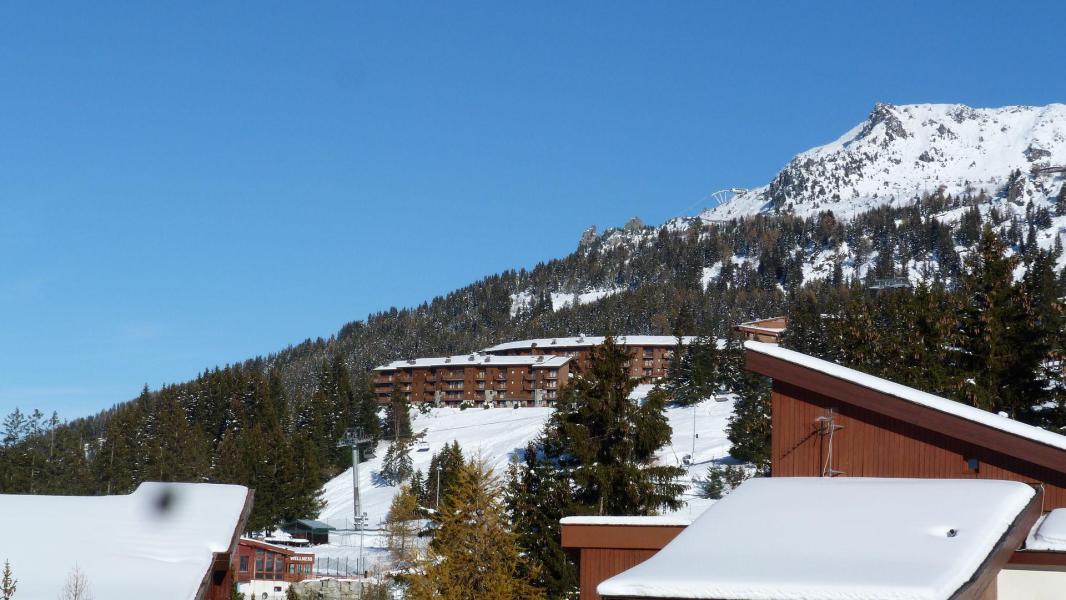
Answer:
(496, 435)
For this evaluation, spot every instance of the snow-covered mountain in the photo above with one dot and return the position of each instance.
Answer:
(901, 152)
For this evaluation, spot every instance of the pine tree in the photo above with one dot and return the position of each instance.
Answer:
(996, 332)
(397, 416)
(397, 466)
(609, 441)
(749, 425)
(365, 418)
(8, 584)
(443, 469)
(537, 497)
(1060, 201)
(700, 372)
(401, 527)
(474, 554)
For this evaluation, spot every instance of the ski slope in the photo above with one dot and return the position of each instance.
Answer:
(498, 434)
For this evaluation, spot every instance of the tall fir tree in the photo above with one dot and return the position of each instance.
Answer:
(608, 441)
(538, 495)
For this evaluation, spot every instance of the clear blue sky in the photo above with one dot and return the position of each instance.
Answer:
(190, 184)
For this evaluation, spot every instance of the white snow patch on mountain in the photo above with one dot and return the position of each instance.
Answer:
(901, 152)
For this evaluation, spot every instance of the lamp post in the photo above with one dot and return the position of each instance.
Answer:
(436, 503)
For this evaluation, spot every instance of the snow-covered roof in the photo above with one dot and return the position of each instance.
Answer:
(793, 538)
(910, 394)
(158, 542)
(268, 543)
(476, 360)
(653, 521)
(1049, 533)
(586, 341)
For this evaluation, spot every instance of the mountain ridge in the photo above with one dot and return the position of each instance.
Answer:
(901, 152)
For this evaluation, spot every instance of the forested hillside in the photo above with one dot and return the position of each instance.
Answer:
(273, 422)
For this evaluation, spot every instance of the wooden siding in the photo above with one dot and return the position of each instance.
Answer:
(599, 564)
(606, 550)
(871, 444)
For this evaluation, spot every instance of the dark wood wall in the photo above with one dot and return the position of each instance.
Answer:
(606, 550)
(600, 564)
(874, 445)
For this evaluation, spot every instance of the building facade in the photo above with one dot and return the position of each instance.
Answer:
(763, 330)
(832, 422)
(257, 560)
(649, 355)
(474, 379)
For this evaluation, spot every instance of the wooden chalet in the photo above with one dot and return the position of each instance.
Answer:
(311, 530)
(259, 560)
(833, 422)
(171, 541)
(763, 330)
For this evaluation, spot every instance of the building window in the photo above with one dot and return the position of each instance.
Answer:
(270, 563)
(244, 563)
(292, 569)
(258, 563)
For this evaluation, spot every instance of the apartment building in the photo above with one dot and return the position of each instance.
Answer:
(474, 378)
(649, 360)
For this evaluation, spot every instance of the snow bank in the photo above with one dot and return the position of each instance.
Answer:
(157, 542)
(909, 394)
(799, 538)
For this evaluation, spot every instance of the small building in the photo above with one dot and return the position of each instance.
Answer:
(650, 355)
(842, 538)
(833, 423)
(169, 541)
(260, 560)
(311, 530)
(763, 330)
(474, 378)
(829, 420)
(605, 546)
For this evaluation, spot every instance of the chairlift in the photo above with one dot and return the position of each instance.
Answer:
(423, 447)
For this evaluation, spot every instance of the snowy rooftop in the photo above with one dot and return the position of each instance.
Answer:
(654, 521)
(475, 360)
(1049, 534)
(909, 394)
(797, 538)
(158, 542)
(586, 341)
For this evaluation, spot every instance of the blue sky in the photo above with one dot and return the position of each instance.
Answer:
(190, 184)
